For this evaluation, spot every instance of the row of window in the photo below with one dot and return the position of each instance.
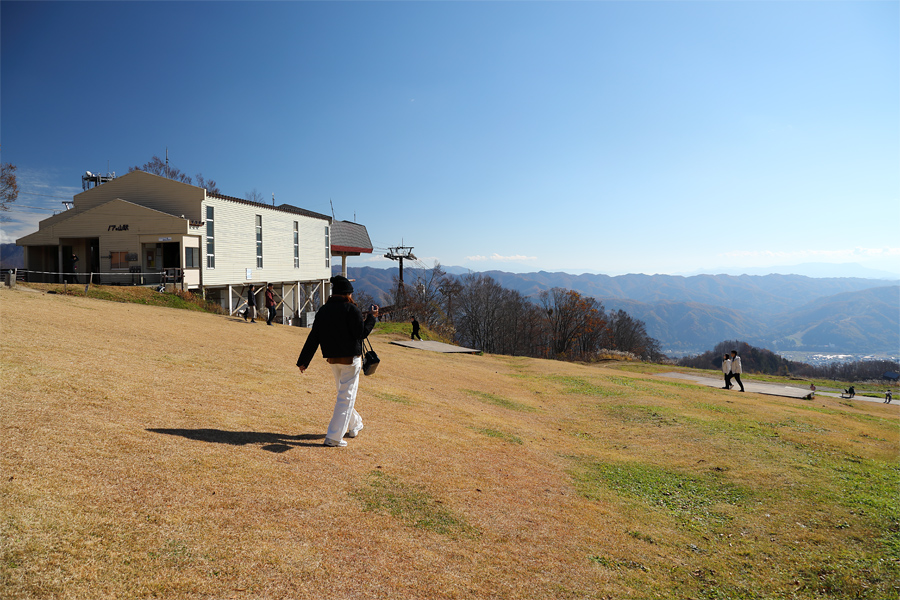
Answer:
(211, 242)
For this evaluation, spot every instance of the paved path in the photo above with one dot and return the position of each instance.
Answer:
(771, 389)
(434, 346)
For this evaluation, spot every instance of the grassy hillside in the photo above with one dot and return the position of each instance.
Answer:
(152, 452)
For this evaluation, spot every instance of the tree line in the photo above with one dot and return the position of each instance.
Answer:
(766, 362)
(475, 311)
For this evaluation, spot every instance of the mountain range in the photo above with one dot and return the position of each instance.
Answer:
(692, 314)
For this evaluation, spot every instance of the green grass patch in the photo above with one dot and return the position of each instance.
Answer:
(500, 435)
(405, 330)
(716, 408)
(412, 505)
(637, 413)
(583, 387)
(390, 397)
(184, 300)
(691, 498)
(500, 401)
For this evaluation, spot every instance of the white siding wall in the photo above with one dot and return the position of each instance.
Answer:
(235, 241)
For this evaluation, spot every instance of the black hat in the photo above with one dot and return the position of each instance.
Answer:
(341, 285)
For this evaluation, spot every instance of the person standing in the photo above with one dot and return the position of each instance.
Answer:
(251, 304)
(415, 332)
(888, 396)
(339, 328)
(270, 303)
(736, 368)
(726, 370)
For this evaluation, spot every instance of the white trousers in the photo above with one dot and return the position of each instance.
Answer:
(345, 417)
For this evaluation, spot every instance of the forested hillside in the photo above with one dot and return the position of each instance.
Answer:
(691, 314)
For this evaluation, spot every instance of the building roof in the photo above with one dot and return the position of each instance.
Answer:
(350, 238)
(282, 207)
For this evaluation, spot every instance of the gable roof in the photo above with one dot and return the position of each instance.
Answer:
(351, 238)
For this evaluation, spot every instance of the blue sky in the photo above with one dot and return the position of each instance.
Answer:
(613, 137)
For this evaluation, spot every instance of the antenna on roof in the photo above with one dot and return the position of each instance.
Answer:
(333, 218)
(273, 198)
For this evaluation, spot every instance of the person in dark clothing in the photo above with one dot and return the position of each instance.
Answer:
(415, 331)
(251, 304)
(339, 328)
(270, 303)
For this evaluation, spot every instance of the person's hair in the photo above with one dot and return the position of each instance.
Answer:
(734, 351)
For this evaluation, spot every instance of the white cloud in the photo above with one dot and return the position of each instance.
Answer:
(499, 258)
(39, 197)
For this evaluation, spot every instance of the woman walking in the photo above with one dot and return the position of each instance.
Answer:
(736, 369)
(726, 370)
(339, 328)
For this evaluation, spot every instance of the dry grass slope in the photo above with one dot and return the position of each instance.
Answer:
(153, 452)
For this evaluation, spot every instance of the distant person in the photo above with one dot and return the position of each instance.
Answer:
(888, 397)
(339, 328)
(75, 266)
(270, 303)
(736, 368)
(851, 392)
(415, 333)
(726, 370)
(812, 390)
(251, 304)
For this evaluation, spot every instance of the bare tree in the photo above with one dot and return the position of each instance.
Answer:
(254, 196)
(9, 187)
(158, 166)
(573, 322)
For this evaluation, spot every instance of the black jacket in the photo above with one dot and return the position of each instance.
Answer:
(339, 328)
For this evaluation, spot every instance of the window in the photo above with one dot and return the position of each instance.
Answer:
(259, 241)
(191, 258)
(210, 239)
(118, 260)
(327, 247)
(296, 245)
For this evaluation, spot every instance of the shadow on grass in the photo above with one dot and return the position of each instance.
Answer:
(270, 442)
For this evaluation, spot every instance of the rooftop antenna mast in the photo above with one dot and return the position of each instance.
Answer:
(333, 218)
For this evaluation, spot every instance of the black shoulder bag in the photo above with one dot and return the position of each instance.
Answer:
(370, 359)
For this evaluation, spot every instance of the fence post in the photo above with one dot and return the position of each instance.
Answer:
(89, 281)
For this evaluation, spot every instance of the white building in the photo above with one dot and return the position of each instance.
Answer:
(142, 228)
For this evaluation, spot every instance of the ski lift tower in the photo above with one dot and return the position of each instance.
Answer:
(400, 253)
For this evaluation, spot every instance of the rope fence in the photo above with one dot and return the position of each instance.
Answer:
(131, 277)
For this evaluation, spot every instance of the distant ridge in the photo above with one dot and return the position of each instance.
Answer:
(691, 314)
